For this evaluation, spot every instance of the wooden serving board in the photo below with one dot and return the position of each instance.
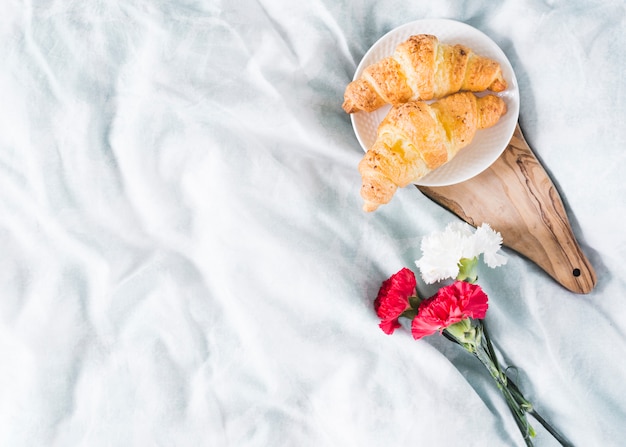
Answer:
(517, 198)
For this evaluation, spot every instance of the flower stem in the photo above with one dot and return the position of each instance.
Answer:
(535, 414)
(518, 410)
(521, 400)
(474, 338)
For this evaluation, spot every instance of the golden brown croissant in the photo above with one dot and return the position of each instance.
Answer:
(416, 138)
(422, 68)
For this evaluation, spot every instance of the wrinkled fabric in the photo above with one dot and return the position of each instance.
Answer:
(184, 257)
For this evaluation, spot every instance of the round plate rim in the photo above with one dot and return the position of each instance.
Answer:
(510, 95)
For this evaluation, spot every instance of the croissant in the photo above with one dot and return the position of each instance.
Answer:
(415, 138)
(422, 68)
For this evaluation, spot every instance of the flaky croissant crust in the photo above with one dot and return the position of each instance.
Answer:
(422, 68)
(415, 138)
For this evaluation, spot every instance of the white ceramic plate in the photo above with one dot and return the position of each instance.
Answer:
(488, 144)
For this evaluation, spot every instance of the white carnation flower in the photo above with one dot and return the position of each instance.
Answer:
(488, 242)
(442, 251)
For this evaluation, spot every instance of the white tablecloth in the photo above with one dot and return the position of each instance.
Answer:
(185, 261)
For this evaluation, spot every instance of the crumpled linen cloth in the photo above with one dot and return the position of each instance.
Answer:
(185, 262)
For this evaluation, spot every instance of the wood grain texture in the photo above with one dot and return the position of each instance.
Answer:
(517, 198)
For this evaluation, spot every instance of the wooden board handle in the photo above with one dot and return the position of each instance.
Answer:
(517, 198)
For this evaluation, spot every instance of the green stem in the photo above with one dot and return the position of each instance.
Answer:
(521, 400)
(518, 411)
(519, 397)
(471, 336)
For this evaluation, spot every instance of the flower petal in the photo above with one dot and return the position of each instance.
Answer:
(450, 305)
(441, 254)
(475, 301)
(442, 251)
(422, 327)
(393, 299)
(489, 243)
(388, 326)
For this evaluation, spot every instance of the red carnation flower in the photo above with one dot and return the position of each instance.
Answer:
(450, 305)
(393, 299)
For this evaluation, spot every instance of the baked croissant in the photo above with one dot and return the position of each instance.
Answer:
(422, 68)
(415, 138)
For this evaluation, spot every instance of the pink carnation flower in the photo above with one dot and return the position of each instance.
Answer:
(393, 299)
(450, 305)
